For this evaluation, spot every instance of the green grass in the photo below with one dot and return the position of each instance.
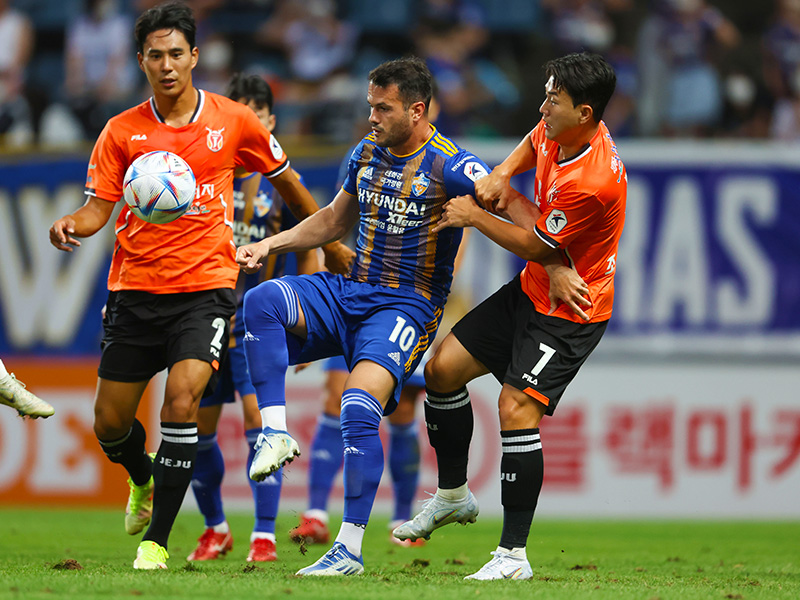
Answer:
(570, 559)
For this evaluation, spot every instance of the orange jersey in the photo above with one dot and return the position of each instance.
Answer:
(196, 251)
(582, 200)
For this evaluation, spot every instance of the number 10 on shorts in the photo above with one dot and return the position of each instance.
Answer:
(403, 334)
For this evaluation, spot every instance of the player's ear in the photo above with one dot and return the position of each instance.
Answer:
(140, 58)
(417, 110)
(586, 113)
(195, 56)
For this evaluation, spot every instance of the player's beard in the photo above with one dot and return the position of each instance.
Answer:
(396, 135)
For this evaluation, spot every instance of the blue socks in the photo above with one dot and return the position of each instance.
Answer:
(209, 469)
(326, 460)
(267, 493)
(404, 467)
(363, 454)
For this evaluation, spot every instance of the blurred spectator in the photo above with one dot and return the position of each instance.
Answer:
(747, 107)
(316, 43)
(681, 90)
(471, 87)
(318, 48)
(16, 46)
(782, 70)
(215, 64)
(579, 25)
(101, 70)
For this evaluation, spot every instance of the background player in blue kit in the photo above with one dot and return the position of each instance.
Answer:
(385, 313)
(258, 213)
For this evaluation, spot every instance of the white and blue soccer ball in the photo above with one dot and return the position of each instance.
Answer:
(159, 187)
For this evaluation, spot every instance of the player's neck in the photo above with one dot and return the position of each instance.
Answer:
(177, 111)
(575, 144)
(418, 137)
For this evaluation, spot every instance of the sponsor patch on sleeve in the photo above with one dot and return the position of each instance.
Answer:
(276, 149)
(556, 221)
(474, 170)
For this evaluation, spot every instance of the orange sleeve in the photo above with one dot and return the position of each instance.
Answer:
(259, 151)
(107, 167)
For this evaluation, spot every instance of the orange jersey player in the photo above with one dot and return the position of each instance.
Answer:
(533, 346)
(195, 252)
(171, 286)
(582, 199)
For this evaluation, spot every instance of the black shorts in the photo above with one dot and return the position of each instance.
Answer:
(532, 352)
(146, 333)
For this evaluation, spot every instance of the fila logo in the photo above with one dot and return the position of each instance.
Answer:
(510, 477)
(139, 136)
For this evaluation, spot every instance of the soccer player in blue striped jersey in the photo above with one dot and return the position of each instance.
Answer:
(385, 313)
(258, 212)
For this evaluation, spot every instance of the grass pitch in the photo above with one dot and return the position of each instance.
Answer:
(85, 554)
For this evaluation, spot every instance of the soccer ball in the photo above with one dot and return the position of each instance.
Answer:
(159, 187)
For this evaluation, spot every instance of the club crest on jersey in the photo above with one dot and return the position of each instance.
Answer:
(214, 139)
(275, 147)
(474, 171)
(262, 204)
(556, 221)
(419, 184)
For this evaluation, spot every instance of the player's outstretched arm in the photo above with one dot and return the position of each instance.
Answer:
(338, 257)
(462, 211)
(323, 227)
(84, 222)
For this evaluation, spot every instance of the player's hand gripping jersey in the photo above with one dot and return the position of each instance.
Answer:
(195, 252)
(400, 199)
(582, 200)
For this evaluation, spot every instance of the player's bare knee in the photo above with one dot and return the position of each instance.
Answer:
(109, 423)
(436, 377)
(180, 409)
(518, 411)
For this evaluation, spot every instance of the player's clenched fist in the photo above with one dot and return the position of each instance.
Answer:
(495, 186)
(249, 257)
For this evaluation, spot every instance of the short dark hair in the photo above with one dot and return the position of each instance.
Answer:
(170, 15)
(411, 76)
(250, 87)
(587, 78)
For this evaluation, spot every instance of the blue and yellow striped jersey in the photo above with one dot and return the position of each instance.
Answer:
(400, 199)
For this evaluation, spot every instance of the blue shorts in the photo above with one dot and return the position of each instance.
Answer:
(234, 377)
(416, 379)
(362, 321)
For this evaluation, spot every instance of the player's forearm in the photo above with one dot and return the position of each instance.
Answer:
(524, 243)
(91, 217)
(521, 212)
